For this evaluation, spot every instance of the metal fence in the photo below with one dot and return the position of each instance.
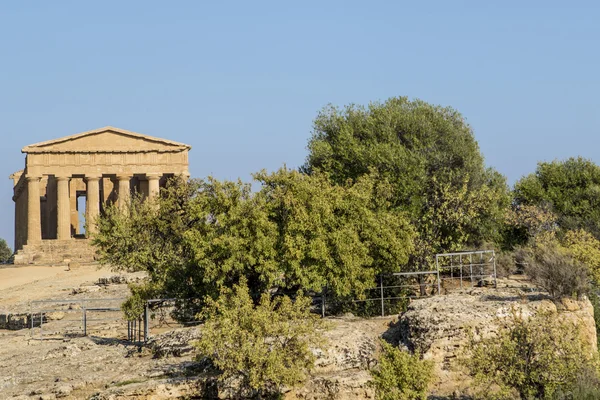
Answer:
(103, 317)
(453, 271)
(393, 288)
(76, 317)
(469, 266)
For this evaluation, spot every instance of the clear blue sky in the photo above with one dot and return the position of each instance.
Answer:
(242, 81)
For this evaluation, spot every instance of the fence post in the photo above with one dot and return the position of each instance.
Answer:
(461, 269)
(437, 267)
(146, 323)
(382, 304)
(471, 268)
(495, 276)
(84, 321)
(323, 301)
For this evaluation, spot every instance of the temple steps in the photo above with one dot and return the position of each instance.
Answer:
(56, 252)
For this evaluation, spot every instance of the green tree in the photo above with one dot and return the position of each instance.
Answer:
(431, 160)
(262, 347)
(570, 189)
(5, 252)
(400, 375)
(339, 236)
(298, 232)
(534, 357)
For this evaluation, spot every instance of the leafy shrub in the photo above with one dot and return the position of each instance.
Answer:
(557, 272)
(536, 358)
(400, 375)
(585, 248)
(264, 347)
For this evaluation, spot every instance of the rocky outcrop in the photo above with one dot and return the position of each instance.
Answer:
(439, 327)
(342, 369)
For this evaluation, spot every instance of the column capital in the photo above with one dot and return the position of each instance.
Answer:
(93, 177)
(34, 178)
(123, 177)
(153, 176)
(62, 177)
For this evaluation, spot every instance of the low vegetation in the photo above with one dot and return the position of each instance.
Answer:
(401, 375)
(259, 349)
(539, 357)
(558, 272)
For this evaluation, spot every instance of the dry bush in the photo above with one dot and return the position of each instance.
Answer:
(557, 272)
(505, 264)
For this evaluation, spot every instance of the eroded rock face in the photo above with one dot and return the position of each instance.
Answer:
(439, 327)
(342, 370)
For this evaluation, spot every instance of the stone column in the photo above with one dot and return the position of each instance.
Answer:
(153, 185)
(124, 190)
(63, 208)
(34, 224)
(92, 207)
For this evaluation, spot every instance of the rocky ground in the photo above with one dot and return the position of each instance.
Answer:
(104, 366)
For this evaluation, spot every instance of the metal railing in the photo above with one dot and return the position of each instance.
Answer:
(80, 317)
(471, 265)
(59, 318)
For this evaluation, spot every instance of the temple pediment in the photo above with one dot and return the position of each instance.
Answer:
(109, 140)
(106, 166)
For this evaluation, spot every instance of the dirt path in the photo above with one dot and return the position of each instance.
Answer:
(17, 276)
(19, 285)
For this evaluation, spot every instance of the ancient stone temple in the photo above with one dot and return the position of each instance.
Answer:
(68, 182)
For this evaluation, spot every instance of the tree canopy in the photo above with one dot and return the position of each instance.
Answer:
(431, 159)
(570, 189)
(298, 232)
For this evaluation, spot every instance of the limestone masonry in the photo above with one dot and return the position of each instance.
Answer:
(105, 166)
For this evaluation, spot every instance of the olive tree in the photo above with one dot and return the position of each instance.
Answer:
(298, 232)
(431, 159)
